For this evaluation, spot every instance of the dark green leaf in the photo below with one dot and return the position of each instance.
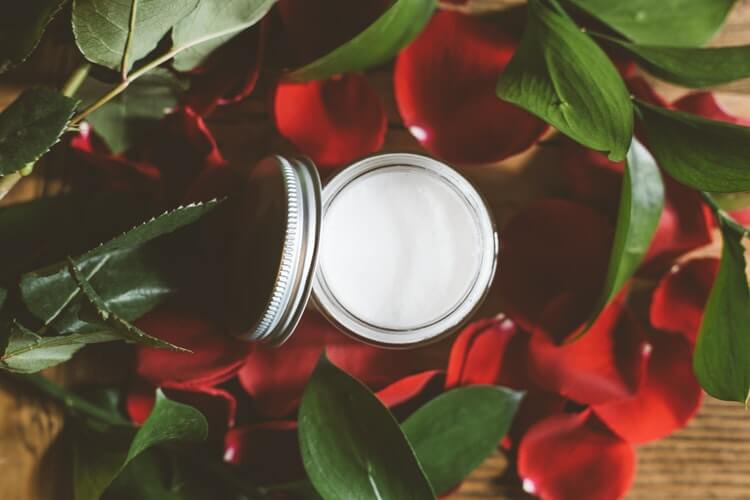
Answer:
(559, 74)
(352, 447)
(216, 22)
(28, 352)
(692, 67)
(705, 154)
(681, 23)
(102, 28)
(382, 40)
(169, 421)
(641, 204)
(454, 433)
(134, 114)
(31, 125)
(722, 352)
(48, 292)
(22, 28)
(112, 321)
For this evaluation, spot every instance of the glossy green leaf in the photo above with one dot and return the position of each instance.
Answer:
(134, 114)
(641, 204)
(49, 291)
(454, 433)
(28, 352)
(95, 467)
(559, 74)
(352, 447)
(112, 321)
(22, 28)
(705, 154)
(104, 29)
(683, 23)
(722, 352)
(692, 67)
(31, 125)
(382, 40)
(216, 21)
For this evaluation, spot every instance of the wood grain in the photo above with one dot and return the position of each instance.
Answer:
(708, 459)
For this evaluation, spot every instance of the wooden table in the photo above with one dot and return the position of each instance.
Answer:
(708, 459)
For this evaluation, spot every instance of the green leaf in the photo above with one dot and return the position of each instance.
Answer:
(705, 154)
(31, 125)
(22, 28)
(692, 67)
(681, 23)
(216, 21)
(104, 29)
(641, 204)
(352, 447)
(27, 352)
(49, 291)
(559, 74)
(136, 113)
(455, 432)
(116, 324)
(169, 421)
(722, 352)
(392, 31)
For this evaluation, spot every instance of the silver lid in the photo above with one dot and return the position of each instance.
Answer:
(275, 250)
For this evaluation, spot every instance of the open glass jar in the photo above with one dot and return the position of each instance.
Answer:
(398, 250)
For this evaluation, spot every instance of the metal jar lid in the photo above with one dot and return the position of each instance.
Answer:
(278, 227)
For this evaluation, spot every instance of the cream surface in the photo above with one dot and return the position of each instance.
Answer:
(399, 247)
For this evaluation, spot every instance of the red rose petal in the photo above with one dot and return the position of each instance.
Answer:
(552, 248)
(231, 73)
(215, 356)
(183, 149)
(668, 398)
(686, 223)
(679, 298)
(333, 121)
(706, 105)
(535, 406)
(574, 457)
(606, 363)
(591, 178)
(445, 89)
(269, 451)
(313, 28)
(490, 351)
(276, 377)
(421, 386)
(115, 172)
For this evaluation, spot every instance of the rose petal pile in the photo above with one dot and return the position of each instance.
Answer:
(590, 401)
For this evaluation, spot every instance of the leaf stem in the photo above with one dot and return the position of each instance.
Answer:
(74, 81)
(71, 402)
(131, 29)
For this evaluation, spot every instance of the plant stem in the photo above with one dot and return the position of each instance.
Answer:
(74, 81)
(129, 40)
(73, 403)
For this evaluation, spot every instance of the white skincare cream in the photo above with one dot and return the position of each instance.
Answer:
(407, 250)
